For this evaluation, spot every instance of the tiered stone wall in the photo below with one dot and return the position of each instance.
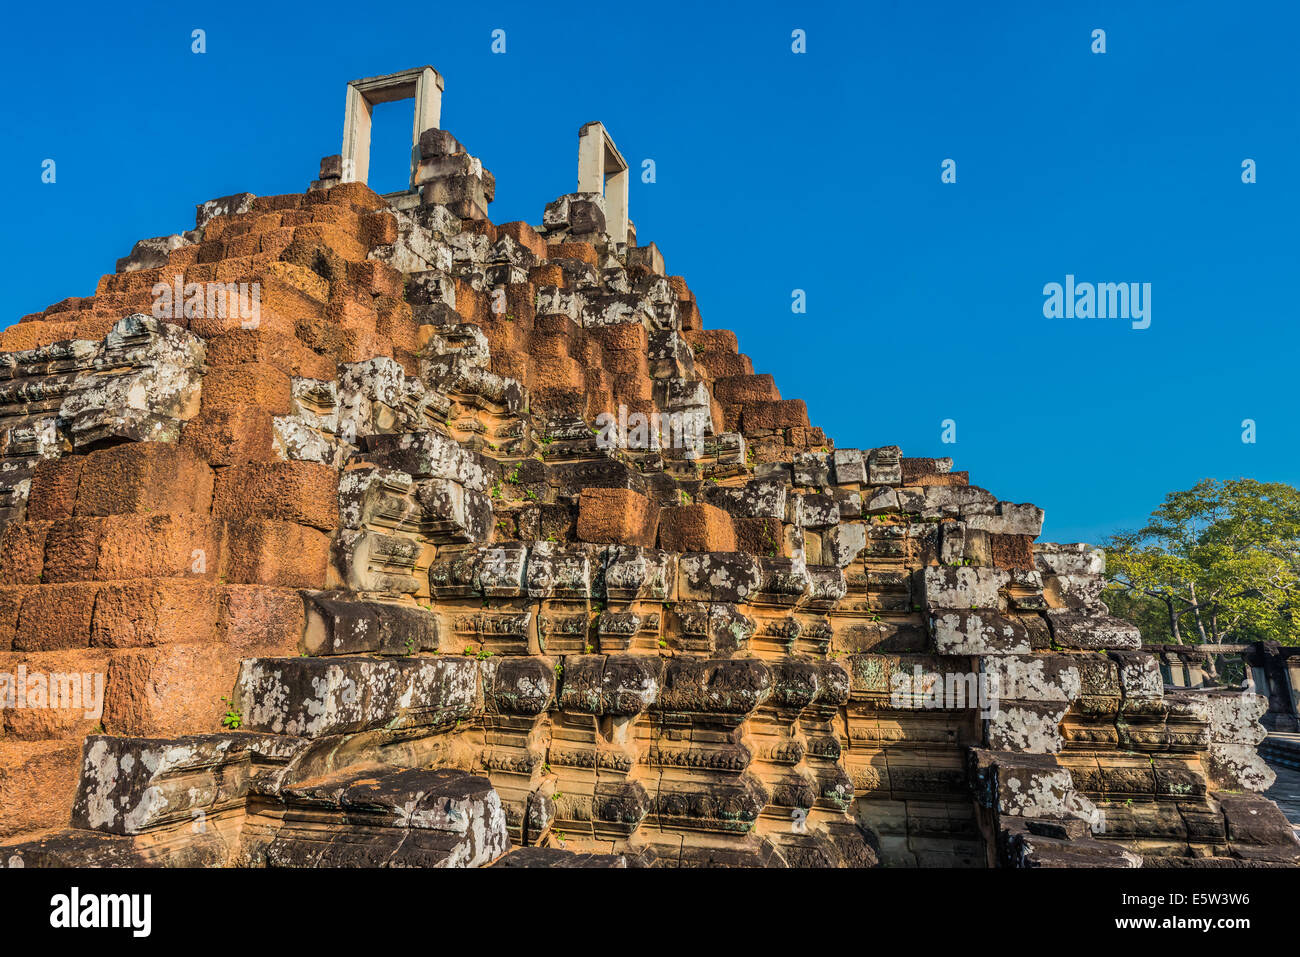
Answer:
(381, 516)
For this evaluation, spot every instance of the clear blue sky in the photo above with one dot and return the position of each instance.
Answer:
(778, 171)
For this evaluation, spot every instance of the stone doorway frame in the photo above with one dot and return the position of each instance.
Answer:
(423, 84)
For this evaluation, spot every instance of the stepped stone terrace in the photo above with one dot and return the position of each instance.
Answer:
(362, 511)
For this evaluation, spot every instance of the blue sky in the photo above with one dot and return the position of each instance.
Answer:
(778, 171)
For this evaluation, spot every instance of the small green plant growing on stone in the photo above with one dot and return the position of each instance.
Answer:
(232, 719)
(589, 648)
(559, 670)
(483, 655)
(662, 643)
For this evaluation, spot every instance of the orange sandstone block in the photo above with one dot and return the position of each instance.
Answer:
(376, 277)
(186, 545)
(284, 352)
(740, 389)
(263, 222)
(72, 549)
(300, 277)
(68, 707)
(256, 384)
(236, 247)
(764, 537)
(264, 318)
(705, 341)
(689, 314)
(275, 241)
(342, 216)
(378, 229)
(351, 309)
(96, 327)
(719, 365)
(144, 477)
(395, 321)
(32, 335)
(243, 268)
(584, 252)
(356, 194)
(679, 287)
(1013, 551)
(360, 346)
(39, 783)
(547, 274)
(302, 492)
(336, 237)
(155, 611)
(258, 620)
(556, 373)
(280, 305)
(183, 257)
(70, 304)
(471, 303)
(276, 553)
(56, 616)
(622, 336)
(11, 603)
(54, 487)
(231, 436)
(782, 414)
(169, 691)
(525, 236)
(273, 203)
(696, 528)
(22, 552)
(617, 516)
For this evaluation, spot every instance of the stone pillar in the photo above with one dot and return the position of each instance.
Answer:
(602, 169)
(1177, 669)
(1266, 656)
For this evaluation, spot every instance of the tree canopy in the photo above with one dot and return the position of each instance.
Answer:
(1217, 563)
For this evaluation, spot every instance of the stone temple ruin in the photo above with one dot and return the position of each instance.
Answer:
(365, 587)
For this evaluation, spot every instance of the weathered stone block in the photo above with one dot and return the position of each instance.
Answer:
(696, 528)
(143, 477)
(617, 516)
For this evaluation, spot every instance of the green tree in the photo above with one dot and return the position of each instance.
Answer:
(1217, 563)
